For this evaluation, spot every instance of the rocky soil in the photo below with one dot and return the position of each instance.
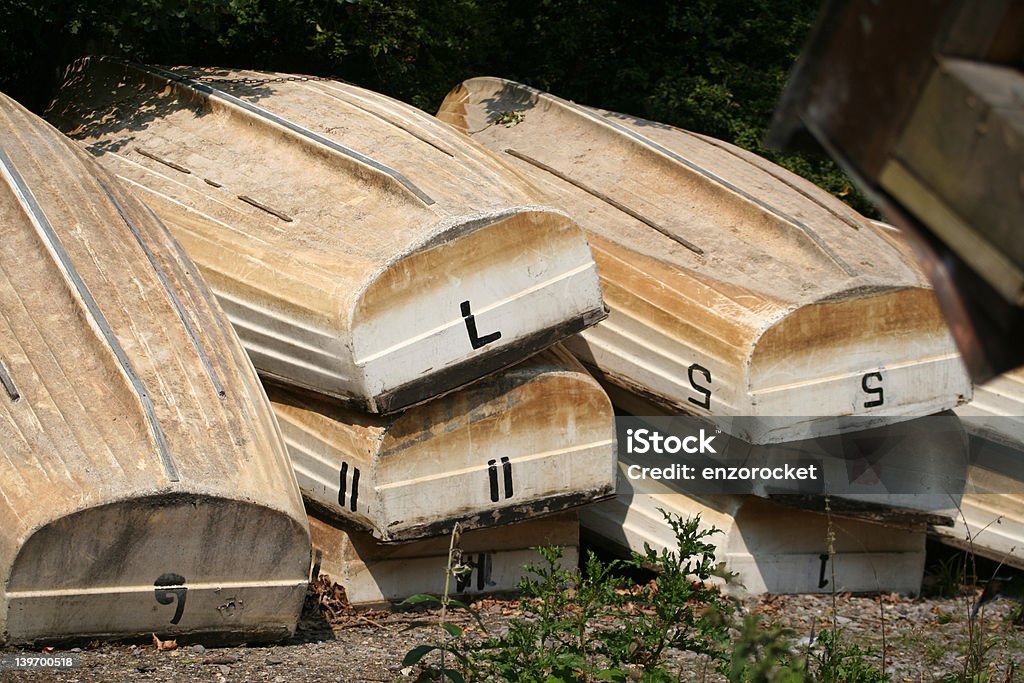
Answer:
(923, 640)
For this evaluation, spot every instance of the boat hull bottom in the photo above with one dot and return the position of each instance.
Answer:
(770, 548)
(376, 574)
(236, 614)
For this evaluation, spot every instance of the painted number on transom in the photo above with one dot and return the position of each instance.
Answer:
(874, 389)
(492, 475)
(705, 391)
(481, 567)
(474, 337)
(169, 588)
(343, 487)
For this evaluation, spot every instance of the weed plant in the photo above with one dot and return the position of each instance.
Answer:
(588, 624)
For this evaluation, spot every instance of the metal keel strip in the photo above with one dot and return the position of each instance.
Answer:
(171, 294)
(95, 315)
(608, 200)
(292, 126)
(827, 250)
(8, 382)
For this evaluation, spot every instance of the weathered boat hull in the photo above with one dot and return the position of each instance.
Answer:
(192, 566)
(772, 548)
(376, 574)
(531, 440)
(144, 487)
(990, 518)
(342, 274)
(909, 473)
(736, 288)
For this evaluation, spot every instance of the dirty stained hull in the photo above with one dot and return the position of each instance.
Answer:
(337, 227)
(374, 574)
(990, 521)
(735, 288)
(904, 474)
(525, 442)
(144, 487)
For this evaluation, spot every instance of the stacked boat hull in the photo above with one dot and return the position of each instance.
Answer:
(990, 519)
(909, 472)
(382, 280)
(742, 293)
(376, 574)
(528, 441)
(144, 486)
(389, 279)
(735, 288)
(860, 527)
(770, 548)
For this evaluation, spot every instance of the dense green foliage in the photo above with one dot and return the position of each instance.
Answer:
(713, 66)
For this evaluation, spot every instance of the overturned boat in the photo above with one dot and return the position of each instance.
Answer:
(858, 524)
(908, 473)
(736, 288)
(493, 560)
(771, 548)
(144, 487)
(531, 440)
(361, 249)
(990, 517)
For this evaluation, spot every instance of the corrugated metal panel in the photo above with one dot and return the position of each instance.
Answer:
(735, 287)
(143, 483)
(361, 249)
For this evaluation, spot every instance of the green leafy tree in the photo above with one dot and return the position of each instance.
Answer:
(711, 66)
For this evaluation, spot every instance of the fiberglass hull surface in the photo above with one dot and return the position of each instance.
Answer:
(361, 249)
(735, 287)
(144, 486)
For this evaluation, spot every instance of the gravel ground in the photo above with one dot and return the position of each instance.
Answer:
(925, 640)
